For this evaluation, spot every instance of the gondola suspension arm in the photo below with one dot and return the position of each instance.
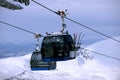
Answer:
(37, 36)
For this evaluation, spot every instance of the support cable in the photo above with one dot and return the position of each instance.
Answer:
(17, 27)
(101, 54)
(100, 33)
(37, 36)
(44, 6)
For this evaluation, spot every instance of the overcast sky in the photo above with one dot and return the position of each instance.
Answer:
(101, 15)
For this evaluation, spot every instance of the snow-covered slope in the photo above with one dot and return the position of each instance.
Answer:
(11, 68)
(107, 47)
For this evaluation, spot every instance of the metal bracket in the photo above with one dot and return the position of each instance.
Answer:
(63, 15)
(37, 36)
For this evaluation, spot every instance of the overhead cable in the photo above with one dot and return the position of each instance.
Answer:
(100, 33)
(101, 54)
(93, 30)
(18, 27)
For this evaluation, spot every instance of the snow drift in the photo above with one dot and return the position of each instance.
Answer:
(17, 68)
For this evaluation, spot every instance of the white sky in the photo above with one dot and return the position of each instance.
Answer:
(102, 15)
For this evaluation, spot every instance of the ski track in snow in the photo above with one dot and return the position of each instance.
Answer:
(77, 69)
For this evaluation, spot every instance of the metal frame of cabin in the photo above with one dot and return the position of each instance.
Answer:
(9, 5)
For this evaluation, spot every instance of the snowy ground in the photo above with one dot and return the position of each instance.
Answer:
(77, 69)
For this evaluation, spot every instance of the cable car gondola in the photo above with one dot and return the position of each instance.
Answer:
(58, 47)
(37, 63)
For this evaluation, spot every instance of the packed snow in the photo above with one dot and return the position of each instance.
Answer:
(99, 68)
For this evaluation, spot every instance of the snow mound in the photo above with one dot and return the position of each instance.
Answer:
(13, 66)
(107, 47)
(18, 68)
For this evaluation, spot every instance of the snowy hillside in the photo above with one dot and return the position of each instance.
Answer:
(96, 69)
(107, 47)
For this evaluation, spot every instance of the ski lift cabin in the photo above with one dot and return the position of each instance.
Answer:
(37, 63)
(58, 47)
